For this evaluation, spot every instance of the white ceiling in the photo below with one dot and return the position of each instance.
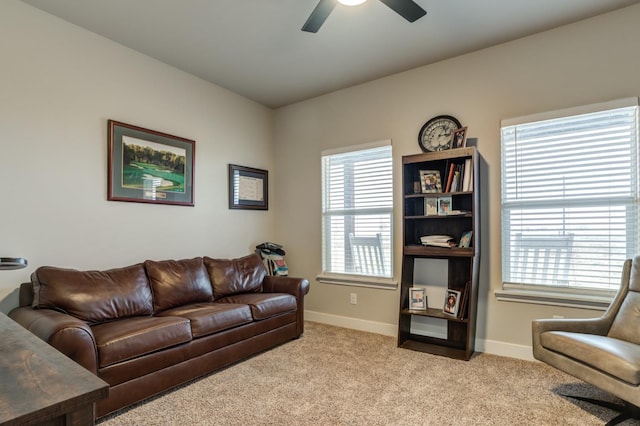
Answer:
(255, 47)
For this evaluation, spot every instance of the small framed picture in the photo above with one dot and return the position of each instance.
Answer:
(430, 206)
(417, 299)
(430, 181)
(451, 303)
(444, 205)
(248, 188)
(459, 138)
(465, 239)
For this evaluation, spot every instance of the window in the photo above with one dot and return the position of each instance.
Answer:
(357, 204)
(570, 197)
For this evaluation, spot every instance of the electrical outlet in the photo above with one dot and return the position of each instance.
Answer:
(354, 298)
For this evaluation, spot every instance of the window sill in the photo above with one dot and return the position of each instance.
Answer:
(599, 301)
(358, 281)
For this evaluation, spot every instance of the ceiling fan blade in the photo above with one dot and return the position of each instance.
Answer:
(408, 9)
(318, 16)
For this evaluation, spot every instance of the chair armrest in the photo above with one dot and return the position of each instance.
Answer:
(69, 335)
(598, 325)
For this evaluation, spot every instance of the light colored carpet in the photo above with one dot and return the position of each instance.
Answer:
(336, 376)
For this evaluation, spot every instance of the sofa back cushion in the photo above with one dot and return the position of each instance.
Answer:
(235, 276)
(93, 296)
(178, 282)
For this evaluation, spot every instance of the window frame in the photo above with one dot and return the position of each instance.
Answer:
(354, 279)
(598, 299)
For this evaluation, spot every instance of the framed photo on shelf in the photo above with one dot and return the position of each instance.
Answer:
(444, 205)
(146, 166)
(451, 303)
(430, 206)
(459, 138)
(248, 188)
(430, 181)
(465, 239)
(417, 299)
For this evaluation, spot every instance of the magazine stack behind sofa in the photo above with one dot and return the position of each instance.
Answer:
(148, 327)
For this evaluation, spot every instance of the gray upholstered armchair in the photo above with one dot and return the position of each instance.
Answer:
(605, 351)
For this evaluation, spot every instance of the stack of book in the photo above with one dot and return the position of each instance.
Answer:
(437, 241)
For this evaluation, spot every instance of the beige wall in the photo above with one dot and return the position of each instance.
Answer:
(59, 84)
(588, 62)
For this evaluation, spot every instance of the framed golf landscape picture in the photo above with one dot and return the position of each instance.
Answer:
(146, 166)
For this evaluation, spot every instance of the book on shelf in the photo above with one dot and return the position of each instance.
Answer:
(463, 311)
(437, 241)
(468, 173)
(452, 169)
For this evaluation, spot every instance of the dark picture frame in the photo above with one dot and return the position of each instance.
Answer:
(459, 138)
(147, 166)
(248, 188)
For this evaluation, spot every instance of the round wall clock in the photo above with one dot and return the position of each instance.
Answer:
(436, 134)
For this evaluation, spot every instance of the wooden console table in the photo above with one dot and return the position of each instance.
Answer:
(39, 385)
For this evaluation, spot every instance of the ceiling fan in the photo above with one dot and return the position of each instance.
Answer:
(408, 9)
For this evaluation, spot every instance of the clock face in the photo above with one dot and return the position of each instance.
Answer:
(437, 133)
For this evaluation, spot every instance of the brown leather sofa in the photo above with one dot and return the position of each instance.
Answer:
(151, 326)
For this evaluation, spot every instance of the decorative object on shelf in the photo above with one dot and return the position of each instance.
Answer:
(248, 188)
(7, 263)
(430, 181)
(465, 239)
(146, 166)
(444, 205)
(417, 299)
(459, 138)
(451, 303)
(430, 206)
(436, 134)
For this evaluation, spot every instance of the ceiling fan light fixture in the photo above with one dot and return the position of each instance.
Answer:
(351, 2)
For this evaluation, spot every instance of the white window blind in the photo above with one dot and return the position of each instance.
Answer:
(357, 201)
(570, 197)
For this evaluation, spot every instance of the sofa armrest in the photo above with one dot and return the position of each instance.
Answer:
(69, 335)
(298, 287)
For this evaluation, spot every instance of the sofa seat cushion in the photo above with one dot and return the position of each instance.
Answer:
(616, 357)
(264, 305)
(129, 338)
(209, 318)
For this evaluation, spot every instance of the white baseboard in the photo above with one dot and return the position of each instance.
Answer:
(352, 323)
(486, 346)
(510, 350)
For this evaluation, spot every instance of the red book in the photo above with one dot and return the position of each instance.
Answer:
(450, 177)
